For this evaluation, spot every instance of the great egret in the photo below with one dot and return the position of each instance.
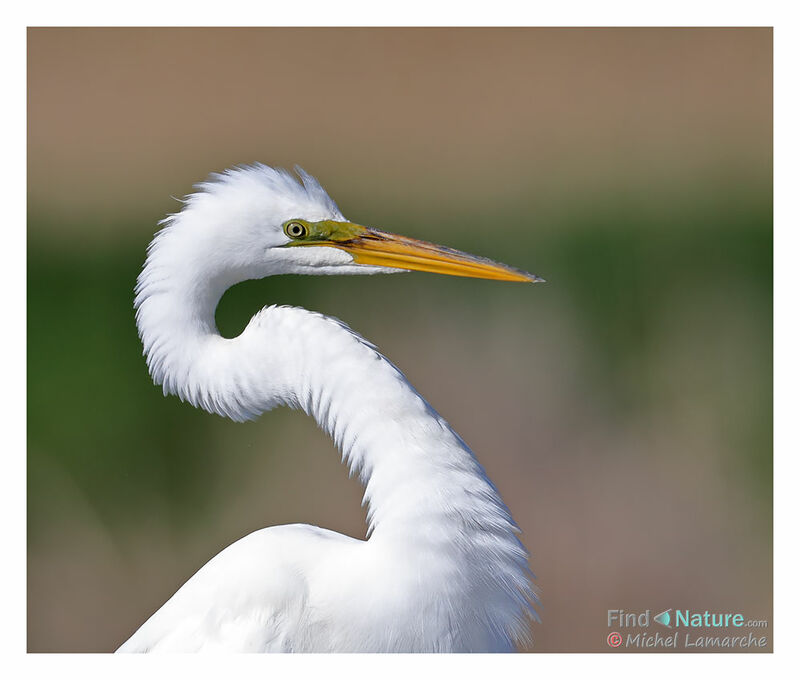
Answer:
(442, 568)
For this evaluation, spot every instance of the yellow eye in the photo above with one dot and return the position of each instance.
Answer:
(296, 230)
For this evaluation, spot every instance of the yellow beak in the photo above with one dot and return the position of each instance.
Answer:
(381, 249)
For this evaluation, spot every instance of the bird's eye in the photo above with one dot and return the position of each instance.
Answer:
(296, 229)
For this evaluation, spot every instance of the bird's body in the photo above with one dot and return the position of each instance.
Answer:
(442, 568)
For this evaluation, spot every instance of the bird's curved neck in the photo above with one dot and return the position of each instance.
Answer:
(413, 466)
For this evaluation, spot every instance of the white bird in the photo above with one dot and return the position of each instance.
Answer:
(442, 568)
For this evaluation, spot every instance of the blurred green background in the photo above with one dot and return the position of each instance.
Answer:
(624, 408)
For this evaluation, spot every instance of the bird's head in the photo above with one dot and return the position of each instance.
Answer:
(255, 221)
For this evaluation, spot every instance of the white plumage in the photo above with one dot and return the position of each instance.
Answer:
(442, 568)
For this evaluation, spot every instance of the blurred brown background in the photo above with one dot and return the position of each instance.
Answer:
(623, 408)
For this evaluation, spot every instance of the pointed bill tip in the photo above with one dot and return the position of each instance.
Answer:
(520, 275)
